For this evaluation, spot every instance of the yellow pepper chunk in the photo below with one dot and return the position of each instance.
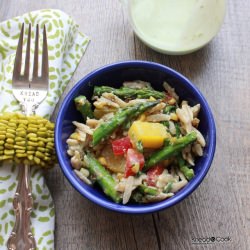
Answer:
(151, 135)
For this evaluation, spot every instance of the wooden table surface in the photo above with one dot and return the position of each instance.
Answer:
(220, 207)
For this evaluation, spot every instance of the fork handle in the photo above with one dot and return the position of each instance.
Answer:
(21, 236)
(28, 109)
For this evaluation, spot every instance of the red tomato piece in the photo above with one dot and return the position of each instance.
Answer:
(120, 146)
(153, 173)
(134, 162)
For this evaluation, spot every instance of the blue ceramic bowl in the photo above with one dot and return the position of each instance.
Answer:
(114, 75)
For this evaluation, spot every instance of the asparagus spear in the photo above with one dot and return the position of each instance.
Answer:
(170, 150)
(127, 92)
(123, 115)
(147, 190)
(84, 106)
(103, 177)
(141, 191)
(188, 172)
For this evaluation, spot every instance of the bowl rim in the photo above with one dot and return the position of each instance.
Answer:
(151, 207)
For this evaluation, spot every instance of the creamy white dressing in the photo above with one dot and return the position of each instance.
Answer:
(176, 25)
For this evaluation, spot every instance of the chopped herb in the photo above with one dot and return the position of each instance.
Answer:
(168, 188)
(138, 174)
(169, 109)
(126, 125)
(139, 146)
(178, 130)
(137, 196)
(166, 142)
(165, 123)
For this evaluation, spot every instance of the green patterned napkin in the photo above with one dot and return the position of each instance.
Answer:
(66, 47)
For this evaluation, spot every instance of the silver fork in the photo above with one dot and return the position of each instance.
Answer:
(30, 93)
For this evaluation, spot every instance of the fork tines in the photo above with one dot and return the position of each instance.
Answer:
(17, 74)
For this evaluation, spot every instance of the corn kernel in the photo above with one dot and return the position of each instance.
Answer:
(103, 161)
(136, 168)
(174, 117)
(2, 137)
(142, 118)
(171, 101)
